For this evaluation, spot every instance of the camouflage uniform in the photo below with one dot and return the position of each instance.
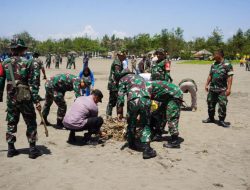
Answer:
(114, 74)
(28, 74)
(219, 73)
(58, 58)
(48, 61)
(138, 103)
(170, 96)
(55, 90)
(39, 64)
(158, 72)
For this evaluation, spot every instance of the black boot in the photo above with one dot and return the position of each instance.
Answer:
(157, 137)
(12, 150)
(208, 120)
(88, 140)
(148, 152)
(34, 151)
(173, 143)
(223, 123)
(59, 124)
(72, 137)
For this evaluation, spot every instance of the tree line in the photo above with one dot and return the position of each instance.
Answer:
(171, 40)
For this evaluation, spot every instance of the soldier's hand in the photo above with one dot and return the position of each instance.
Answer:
(38, 106)
(119, 116)
(206, 88)
(44, 77)
(228, 92)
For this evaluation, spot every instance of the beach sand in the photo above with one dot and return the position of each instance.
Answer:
(210, 157)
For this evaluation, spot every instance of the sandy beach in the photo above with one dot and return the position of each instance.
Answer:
(210, 157)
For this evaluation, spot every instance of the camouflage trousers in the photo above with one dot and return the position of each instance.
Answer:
(26, 108)
(48, 65)
(217, 97)
(158, 120)
(58, 97)
(113, 96)
(173, 110)
(70, 65)
(57, 65)
(139, 106)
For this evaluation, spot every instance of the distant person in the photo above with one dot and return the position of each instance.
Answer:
(218, 86)
(88, 74)
(58, 58)
(85, 61)
(161, 68)
(141, 64)
(83, 115)
(48, 61)
(247, 62)
(125, 63)
(133, 64)
(189, 85)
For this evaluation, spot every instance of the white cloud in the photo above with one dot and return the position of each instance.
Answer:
(119, 34)
(88, 31)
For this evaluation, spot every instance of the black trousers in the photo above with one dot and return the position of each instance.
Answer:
(93, 125)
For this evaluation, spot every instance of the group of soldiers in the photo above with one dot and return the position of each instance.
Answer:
(23, 81)
(58, 60)
(142, 93)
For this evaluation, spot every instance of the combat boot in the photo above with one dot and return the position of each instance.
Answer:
(223, 123)
(148, 152)
(59, 124)
(208, 120)
(173, 143)
(12, 150)
(34, 151)
(72, 137)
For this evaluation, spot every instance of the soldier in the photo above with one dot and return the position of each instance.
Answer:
(115, 71)
(58, 58)
(48, 61)
(133, 64)
(73, 61)
(141, 64)
(158, 70)
(138, 104)
(219, 80)
(189, 85)
(170, 97)
(55, 90)
(22, 92)
(40, 63)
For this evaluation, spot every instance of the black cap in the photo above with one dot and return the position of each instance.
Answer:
(98, 93)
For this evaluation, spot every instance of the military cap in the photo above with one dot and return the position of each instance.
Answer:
(160, 50)
(17, 42)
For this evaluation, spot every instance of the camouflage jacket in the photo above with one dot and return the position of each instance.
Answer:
(48, 58)
(25, 72)
(219, 73)
(163, 91)
(58, 58)
(114, 75)
(134, 86)
(38, 62)
(63, 83)
(188, 80)
(158, 72)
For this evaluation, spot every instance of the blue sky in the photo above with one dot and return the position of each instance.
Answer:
(70, 18)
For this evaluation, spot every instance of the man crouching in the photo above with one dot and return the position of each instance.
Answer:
(83, 115)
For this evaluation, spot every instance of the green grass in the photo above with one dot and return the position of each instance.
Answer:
(203, 62)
